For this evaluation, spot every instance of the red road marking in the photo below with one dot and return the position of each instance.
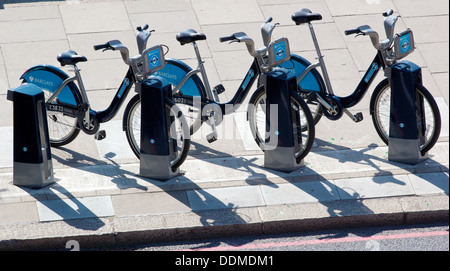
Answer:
(325, 241)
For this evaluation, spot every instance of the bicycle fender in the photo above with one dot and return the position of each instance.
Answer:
(49, 78)
(313, 81)
(174, 72)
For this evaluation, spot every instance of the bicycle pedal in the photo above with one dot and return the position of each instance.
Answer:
(358, 117)
(211, 138)
(219, 89)
(100, 135)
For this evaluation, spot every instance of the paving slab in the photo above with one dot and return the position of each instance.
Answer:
(351, 7)
(228, 198)
(95, 17)
(32, 30)
(415, 8)
(166, 22)
(436, 56)
(375, 187)
(302, 192)
(232, 11)
(75, 208)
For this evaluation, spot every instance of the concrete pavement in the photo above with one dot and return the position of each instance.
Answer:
(98, 198)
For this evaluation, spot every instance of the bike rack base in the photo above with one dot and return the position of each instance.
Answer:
(156, 150)
(33, 166)
(280, 147)
(405, 130)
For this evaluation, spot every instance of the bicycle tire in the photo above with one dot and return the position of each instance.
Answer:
(174, 72)
(132, 128)
(381, 100)
(297, 104)
(62, 129)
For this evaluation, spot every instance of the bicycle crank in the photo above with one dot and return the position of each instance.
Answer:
(92, 127)
(332, 106)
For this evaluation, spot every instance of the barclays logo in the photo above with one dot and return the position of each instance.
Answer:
(40, 81)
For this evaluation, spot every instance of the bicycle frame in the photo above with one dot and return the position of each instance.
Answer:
(101, 116)
(206, 98)
(357, 95)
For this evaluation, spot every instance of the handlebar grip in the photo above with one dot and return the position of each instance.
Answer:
(140, 28)
(102, 46)
(352, 31)
(223, 39)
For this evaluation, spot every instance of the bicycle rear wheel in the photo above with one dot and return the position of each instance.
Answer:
(62, 128)
(430, 116)
(177, 127)
(302, 121)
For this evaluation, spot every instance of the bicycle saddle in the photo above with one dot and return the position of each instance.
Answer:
(70, 57)
(305, 16)
(189, 36)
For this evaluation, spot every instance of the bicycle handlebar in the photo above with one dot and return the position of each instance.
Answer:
(140, 28)
(352, 31)
(227, 38)
(103, 46)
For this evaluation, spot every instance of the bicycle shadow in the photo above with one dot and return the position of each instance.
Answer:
(321, 190)
(60, 204)
(362, 156)
(222, 214)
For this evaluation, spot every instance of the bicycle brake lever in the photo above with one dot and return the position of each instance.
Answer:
(359, 34)
(236, 40)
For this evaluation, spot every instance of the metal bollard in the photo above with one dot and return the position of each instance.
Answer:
(405, 131)
(32, 157)
(280, 141)
(156, 150)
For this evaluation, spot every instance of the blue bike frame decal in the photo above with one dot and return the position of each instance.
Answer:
(371, 72)
(250, 74)
(124, 86)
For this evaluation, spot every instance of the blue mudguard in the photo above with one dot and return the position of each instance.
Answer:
(175, 70)
(49, 78)
(312, 82)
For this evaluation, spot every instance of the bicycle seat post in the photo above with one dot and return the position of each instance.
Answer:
(85, 104)
(321, 60)
(201, 67)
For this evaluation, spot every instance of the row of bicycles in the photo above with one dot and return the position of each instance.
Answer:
(194, 101)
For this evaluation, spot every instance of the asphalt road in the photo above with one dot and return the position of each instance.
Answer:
(423, 237)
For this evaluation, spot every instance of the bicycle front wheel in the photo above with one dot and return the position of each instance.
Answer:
(176, 125)
(430, 115)
(302, 122)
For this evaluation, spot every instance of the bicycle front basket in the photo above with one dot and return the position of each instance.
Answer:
(403, 44)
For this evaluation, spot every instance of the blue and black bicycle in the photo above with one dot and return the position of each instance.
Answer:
(69, 111)
(200, 103)
(319, 93)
